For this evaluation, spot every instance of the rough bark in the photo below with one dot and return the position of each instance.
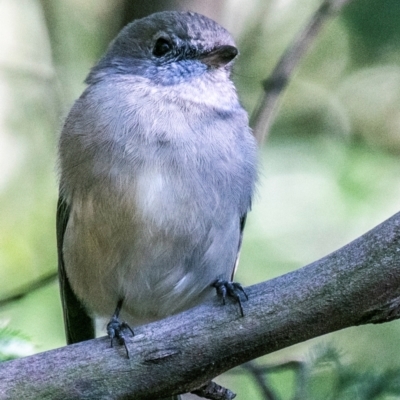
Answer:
(357, 284)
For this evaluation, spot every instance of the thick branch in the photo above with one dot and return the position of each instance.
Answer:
(358, 284)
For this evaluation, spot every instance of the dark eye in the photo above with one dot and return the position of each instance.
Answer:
(162, 47)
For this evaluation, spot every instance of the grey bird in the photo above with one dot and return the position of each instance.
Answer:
(157, 172)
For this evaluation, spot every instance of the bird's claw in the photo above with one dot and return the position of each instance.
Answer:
(231, 289)
(115, 330)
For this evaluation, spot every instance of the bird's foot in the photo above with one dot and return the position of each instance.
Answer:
(115, 329)
(231, 289)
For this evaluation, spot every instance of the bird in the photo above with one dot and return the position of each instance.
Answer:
(157, 170)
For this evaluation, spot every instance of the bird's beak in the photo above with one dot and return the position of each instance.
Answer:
(220, 56)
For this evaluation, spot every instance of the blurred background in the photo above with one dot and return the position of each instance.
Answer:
(330, 168)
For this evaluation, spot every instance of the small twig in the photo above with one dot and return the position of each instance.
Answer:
(213, 391)
(264, 114)
(259, 376)
(29, 288)
(259, 372)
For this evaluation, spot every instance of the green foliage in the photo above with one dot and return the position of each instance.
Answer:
(325, 374)
(330, 375)
(13, 344)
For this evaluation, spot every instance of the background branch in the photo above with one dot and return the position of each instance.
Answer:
(29, 288)
(274, 86)
(357, 284)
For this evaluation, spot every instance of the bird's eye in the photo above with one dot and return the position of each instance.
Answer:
(162, 47)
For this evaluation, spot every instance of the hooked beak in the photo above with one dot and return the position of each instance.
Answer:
(220, 56)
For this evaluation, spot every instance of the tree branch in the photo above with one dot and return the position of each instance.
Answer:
(358, 284)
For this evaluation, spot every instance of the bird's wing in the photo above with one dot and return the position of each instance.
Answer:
(242, 224)
(79, 326)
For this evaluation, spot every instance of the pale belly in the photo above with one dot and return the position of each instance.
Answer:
(158, 251)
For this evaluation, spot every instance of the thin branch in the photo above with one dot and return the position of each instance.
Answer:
(259, 375)
(357, 284)
(274, 86)
(31, 287)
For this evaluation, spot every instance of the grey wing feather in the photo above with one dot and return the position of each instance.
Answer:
(79, 326)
